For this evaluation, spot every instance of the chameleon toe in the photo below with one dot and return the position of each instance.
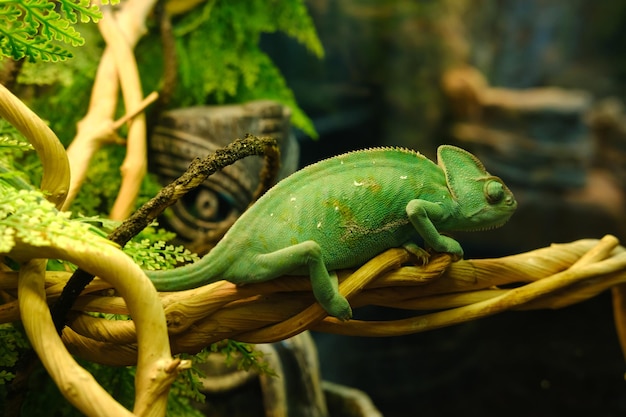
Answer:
(340, 308)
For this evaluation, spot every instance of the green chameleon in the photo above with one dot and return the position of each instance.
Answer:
(342, 211)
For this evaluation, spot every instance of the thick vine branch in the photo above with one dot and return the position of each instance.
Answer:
(546, 278)
(56, 170)
(156, 369)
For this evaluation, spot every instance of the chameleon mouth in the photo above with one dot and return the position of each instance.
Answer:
(486, 228)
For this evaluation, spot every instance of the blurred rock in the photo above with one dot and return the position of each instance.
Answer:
(534, 137)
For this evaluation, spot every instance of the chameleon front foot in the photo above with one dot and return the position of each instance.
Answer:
(421, 255)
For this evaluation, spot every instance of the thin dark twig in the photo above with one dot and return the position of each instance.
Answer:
(196, 174)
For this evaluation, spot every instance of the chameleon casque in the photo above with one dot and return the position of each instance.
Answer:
(342, 211)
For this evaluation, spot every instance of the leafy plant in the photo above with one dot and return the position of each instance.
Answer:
(12, 341)
(220, 59)
(28, 216)
(158, 255)
(243, 355)
(34, 29)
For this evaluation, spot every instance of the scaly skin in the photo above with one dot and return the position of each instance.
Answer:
(342, 211)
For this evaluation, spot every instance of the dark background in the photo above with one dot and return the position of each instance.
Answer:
(380, 84)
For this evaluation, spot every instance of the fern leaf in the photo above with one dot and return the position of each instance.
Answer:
(87, 11)
(292, 18)
(29, 28)
(18, 44)
(48, 52)
(50, 23)
(158, 255)
(10, 12)
(26, 215)
(11, 143)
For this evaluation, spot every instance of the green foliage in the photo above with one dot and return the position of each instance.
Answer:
(28, 216)
(33, 29)
(158, 255)
(98, 192)
(220, 61)
(119, 381)
(9, 141)
(188, 386)
(219, 56)
(13, 147)
(12, 143)
(12, 343)
(246, 356)
(44, 398)
(59, 93)
(100, 189)
(187, 389)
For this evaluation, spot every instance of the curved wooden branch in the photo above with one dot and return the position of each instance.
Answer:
(591, 264)
(551, 277)
(56, 170)
(76, 384)
(156, 369)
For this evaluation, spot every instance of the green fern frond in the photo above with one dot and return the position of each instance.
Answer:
(31, 28)
(12, 342)
(41, 16)
(26, 215)
(243, 355)
(293, 18)
(83, 8)
(158, 255)
(12, 147)
(12, 143)
(270, 84)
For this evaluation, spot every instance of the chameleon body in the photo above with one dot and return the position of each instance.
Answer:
(342, 211)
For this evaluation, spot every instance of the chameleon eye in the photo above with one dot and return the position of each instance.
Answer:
(494, 191)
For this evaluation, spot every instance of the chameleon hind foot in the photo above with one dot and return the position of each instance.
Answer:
(305, 255)
(338, 307)
(329, 297)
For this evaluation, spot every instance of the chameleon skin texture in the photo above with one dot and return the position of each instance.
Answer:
(342, 211)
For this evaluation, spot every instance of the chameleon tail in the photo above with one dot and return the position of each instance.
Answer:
(197, 274)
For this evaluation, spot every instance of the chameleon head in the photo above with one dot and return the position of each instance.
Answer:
(484, 201)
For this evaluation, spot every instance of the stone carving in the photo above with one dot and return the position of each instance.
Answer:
(184, 134)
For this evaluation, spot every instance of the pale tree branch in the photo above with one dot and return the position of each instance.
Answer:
(56, 170)
(135, 163)
(96, 127)
(156, 369)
